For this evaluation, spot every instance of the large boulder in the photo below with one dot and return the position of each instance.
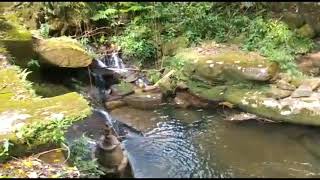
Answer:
(292, 110)
(214, 74)
(225, 64)
(62, 52)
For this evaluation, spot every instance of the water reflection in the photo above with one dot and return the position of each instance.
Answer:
(190, 143)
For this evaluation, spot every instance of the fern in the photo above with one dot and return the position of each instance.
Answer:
(105, 14)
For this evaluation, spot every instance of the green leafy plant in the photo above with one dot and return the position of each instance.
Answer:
(79, 153)
(5, 148)
(276, 41)
(44, 132)
(153, 75)
(136, 44)
(44, 30)
(33, 64)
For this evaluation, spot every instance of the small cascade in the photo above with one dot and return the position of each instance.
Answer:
(100, 64)
(100, 83)
(118, 63)
(142, 82)
(113, 62)
(106, 116)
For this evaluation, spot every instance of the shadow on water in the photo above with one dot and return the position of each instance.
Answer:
(198, 143)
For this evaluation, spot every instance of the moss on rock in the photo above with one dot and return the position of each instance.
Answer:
(29, 121)
(63, 52)
(224, 65)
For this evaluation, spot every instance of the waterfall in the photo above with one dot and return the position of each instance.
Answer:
(118, 63)
(100, 63)
(106, 116)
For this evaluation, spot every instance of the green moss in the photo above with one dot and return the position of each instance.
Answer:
(213, 93)
(45, 118)
(226, 65)
(252, 101)
(123, 88)
(49, 90)
(12, 30)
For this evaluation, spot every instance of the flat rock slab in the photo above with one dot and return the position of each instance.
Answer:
(144, 100)
(62, 52)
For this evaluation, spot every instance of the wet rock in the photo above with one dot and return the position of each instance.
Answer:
(62, 52)
(185, 100)
(241, 117)
(122, 89)
(110, 105)
(277, 93)
(144, 100)
(16, 39)
(131, 77)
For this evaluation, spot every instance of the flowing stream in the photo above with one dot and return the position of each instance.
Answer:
(173, 142)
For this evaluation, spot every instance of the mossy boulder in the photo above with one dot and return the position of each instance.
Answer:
(212, 93)
(226, 65)
(11, 29)
(62, 52)
(28, 121)
(16, 39)
(293, 20)
(306, 31)
(292, 110)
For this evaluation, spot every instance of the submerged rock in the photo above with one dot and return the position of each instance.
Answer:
(62, 52)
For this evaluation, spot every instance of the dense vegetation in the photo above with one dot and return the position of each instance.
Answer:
(149, 35)
(141, 28)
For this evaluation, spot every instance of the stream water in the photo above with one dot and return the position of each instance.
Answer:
(173, 142)
(199, 143)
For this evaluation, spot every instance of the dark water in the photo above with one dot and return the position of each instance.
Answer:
(198, 143)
